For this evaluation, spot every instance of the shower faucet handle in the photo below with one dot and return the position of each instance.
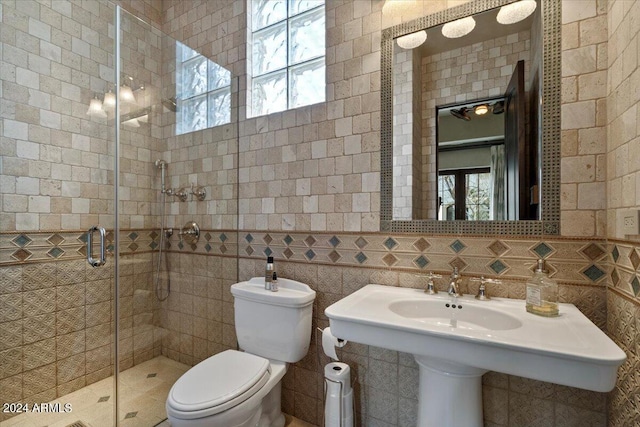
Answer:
(181, 194)
(199, 192)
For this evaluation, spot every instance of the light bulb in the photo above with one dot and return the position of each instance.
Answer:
(126, 94)
(481, 109)
(109, 101)
(396, 7)
(95, 108)
(458, 28)
(413, 40)
(516, 12)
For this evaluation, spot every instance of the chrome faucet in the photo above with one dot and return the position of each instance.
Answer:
(454, 284)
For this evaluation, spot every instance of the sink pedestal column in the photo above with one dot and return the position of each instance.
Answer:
(450, 394)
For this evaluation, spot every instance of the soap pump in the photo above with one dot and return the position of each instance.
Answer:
(542, 293)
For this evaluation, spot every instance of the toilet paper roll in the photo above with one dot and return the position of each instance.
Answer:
(330, 342)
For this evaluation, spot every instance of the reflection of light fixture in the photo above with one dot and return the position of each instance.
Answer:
(458, 28)
(413, 40)
(109, 101)
(95, 108)
(516, 12)
(481, 109)
(126, 94)
(461, 114)
(498, 107)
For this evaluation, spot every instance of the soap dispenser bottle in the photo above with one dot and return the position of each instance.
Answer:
(268, 273)
(542, 293)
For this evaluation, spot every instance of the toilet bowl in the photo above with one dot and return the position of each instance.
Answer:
(231, 389)
(243, 388)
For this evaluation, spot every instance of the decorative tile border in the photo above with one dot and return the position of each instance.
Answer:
(624, 272)
(570, 261)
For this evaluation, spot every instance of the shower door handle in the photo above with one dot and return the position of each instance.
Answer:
(90, 259)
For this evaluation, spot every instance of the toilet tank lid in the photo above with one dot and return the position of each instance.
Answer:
(290, 293)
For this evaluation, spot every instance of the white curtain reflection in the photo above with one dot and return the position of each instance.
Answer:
(498, 183)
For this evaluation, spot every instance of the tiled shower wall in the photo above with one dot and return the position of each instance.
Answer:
(623, 170)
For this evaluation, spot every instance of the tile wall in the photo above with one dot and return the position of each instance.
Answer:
(622, 145)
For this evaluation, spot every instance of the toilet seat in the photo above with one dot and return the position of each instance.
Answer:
(218, 383)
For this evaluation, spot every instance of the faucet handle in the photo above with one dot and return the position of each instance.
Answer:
(482, 290)
(430, 289)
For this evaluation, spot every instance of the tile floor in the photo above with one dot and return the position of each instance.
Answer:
(143, 391)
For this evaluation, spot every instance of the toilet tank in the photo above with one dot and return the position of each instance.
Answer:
(274, 325)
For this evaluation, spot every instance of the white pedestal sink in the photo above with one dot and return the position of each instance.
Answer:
(456, 340)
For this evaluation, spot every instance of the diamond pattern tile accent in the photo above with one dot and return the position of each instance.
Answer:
(542, 250)
(207, 236)
(288, 253)
(615, 253)
(133, 246)
(180, 245)
(593, 273)
(421, 261)
(421, 244)
(207, 247)
(55, 252)
(21, 240)
(268, 251)
(223, 237)
(153, 235)
(249, 250)
(248, 238)
(615, 277)
(458, 262)
(310, 254)
(593, 251)
(131, 415)
(21, 255)
(153, 245)
(498, 248)
(498, 266)
(133, 235)
(83, 238)
(193, 246)
(267, 239)
(334, 256)
(389, 259)
(390, 243)
(82, 251)
(457, 246)
(287, 240)
(634, 258)
(310, 241)
(360, 257)
(361, 242)
(334, 241)
(635, 284)
(103, 399)
(223, 249)
(55, 239)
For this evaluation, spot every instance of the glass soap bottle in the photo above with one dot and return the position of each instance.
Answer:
(542, 293)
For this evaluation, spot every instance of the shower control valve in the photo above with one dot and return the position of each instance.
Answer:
(181, 194)
(199, 192)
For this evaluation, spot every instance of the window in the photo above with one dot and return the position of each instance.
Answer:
(287, 47)
(464, 194)
(203, 92)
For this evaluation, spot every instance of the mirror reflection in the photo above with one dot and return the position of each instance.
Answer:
(466, 99)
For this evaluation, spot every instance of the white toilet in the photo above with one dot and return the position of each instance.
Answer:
(242, 388)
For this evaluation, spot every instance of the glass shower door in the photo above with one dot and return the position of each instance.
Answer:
(58, 146)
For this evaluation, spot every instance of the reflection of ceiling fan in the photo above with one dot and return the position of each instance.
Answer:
(480, 109)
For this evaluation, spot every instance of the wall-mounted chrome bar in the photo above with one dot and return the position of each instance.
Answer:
(103, 254)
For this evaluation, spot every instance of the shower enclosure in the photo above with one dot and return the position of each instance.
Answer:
(91, 96)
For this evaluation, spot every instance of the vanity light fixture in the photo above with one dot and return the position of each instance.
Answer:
(109, 101)
(461, 114)
(516, 12)
(131, 123)
(395, 7)
(481, 109)
(95, 108)
(413, 40)
(458, 28)
(126, 94)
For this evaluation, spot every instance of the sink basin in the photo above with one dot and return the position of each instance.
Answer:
(439, 313)
(456, 340)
